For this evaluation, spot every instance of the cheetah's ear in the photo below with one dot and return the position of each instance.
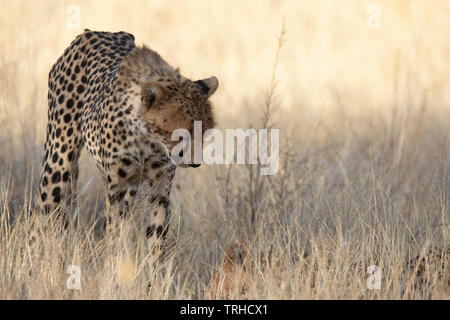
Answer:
(208, 86)
(151, 94)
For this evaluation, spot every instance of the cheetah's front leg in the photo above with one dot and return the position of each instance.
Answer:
(119, 204)
(122, 186)
(121, 194)
(157, 219)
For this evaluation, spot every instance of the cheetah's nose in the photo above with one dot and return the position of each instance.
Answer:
(195, 165)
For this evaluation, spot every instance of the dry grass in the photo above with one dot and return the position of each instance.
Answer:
(364, 166)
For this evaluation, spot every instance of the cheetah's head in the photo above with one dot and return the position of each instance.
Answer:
(172, 103)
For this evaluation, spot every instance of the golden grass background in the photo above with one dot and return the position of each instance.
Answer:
(365, 145)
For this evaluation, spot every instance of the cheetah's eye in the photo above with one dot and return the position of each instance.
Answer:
(151, 92)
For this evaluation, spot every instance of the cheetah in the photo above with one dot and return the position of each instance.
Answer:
(122, 103)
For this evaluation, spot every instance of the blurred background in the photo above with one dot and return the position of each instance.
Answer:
(330, 53)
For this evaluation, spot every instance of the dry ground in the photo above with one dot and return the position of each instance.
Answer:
(364, 118)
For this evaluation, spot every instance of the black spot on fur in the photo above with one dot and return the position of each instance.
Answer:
(70, 156)
(56, 191)
(65, 176)
(159, 231)
(67, 118)
(150, 230)
(69, 103)
(122, 173)
(125, 161)
(56, 177)
(156, 165)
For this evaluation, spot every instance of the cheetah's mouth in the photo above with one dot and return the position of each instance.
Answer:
(178, 159)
